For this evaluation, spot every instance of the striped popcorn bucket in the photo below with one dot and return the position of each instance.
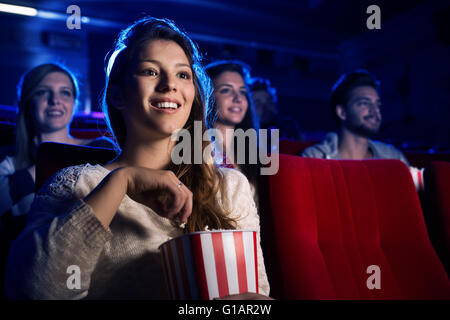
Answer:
(210, 264)
(417, 175)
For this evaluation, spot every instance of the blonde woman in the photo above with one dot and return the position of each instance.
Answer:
(47, 97)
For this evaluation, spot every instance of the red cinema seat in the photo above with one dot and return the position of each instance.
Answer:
(294, 147)
(89, 133)
(437, 208)
(52, 157)
(423, 159)
(331, 221)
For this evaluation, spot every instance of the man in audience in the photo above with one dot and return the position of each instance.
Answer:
(355, 103)
(265, 100)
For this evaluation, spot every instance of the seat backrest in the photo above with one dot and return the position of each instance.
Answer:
(52, 157)
(294, 147)
(89, 133)
(437, 208)
(423, 159)
(333, 222)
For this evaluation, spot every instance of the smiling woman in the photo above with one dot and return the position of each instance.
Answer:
(109, 221)
(233, 109)
(47, 97)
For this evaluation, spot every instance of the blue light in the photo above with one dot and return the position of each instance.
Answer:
(51, 15)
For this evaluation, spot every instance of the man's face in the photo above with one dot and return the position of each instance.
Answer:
(362, 113)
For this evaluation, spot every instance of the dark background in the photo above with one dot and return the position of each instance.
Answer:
(302, 46)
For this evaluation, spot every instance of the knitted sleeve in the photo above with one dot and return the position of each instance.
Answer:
(243, 209)
(54, 256)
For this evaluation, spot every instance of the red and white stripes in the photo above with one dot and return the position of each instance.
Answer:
(211, 264)
(417, 175)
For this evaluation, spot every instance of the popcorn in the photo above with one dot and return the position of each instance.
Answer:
(180, 224)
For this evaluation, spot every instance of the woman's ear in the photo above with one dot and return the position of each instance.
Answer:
(115, 96)
(340, 112)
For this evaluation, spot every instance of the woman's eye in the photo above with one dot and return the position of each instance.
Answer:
(244, 93)
(40, 93)
(223, 91)
(184, 75)
(149, 72)
(66, 93)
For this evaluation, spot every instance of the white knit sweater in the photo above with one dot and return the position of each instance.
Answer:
(122, 262)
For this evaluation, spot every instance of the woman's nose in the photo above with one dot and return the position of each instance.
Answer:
(166, 84)
(237, 98)
(53, 98)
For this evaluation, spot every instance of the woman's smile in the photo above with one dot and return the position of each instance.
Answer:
(165, 105)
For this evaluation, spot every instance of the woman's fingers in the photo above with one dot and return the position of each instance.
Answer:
(163, 192)
(183, 202)
(186, 210)
(178, 196)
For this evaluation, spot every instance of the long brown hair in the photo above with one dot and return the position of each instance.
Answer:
(250, 120)
(204, 180)
(26, 131)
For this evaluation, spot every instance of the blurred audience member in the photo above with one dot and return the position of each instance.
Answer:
(233, 109)
(356, 106)
(47, 98)
(265, 99)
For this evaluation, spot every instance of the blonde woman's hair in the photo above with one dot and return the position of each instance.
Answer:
(26, 131)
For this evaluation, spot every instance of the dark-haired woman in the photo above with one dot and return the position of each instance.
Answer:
(232, 109)
(108, 221)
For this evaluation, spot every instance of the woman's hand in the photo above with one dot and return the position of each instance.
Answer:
(161, 191)
(158, 189)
